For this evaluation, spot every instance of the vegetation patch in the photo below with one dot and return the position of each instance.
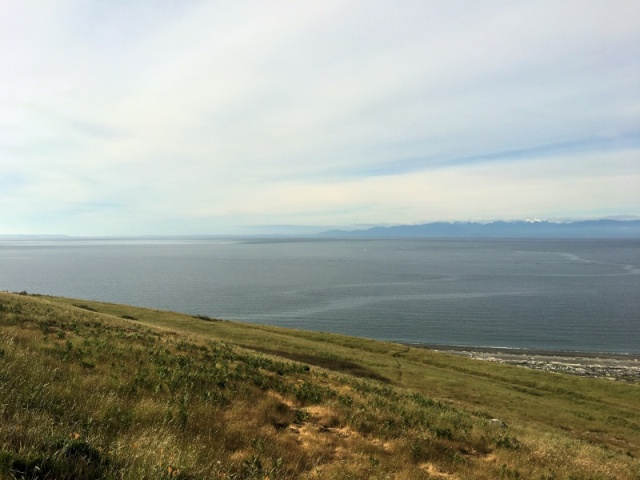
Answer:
(206, 318)
(121, 392)
(85, 307)
(335, 364)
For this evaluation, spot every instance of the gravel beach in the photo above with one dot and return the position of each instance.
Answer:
(617, 367)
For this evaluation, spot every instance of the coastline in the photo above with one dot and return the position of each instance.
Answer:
(610, 366)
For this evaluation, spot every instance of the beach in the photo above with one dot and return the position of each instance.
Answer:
(610, 366)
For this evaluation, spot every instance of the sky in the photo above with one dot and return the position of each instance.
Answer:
(235, 117)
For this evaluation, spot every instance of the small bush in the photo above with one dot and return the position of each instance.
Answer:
(205, 318)
(510, 443)
(275, 413)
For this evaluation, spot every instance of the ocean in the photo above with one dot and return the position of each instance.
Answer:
(561, 295)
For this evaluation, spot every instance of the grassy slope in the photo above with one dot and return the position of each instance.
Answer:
(86, 392)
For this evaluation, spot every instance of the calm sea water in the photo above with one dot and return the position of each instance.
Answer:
(579, 295)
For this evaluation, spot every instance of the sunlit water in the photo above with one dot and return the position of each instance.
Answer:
(541, 294)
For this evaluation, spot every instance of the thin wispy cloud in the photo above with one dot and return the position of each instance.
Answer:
(213, 117)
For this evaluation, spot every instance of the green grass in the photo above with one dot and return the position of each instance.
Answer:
(93, 390)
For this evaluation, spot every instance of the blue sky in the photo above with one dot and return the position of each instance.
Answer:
(209, 117)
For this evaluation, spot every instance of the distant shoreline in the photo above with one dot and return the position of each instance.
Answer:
(610, 366)
(592, 229)
(512, 351)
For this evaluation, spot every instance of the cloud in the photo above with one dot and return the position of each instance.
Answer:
(177, 117)
(502, 190)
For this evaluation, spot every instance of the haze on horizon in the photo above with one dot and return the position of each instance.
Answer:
(203, 117)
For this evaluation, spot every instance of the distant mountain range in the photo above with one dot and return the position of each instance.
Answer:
(500, 229)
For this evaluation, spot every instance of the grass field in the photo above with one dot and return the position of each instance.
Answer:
(91, 390)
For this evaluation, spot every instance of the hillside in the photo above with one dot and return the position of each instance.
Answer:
(92, 390)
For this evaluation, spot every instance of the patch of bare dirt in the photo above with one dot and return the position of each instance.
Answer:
(436, 472)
